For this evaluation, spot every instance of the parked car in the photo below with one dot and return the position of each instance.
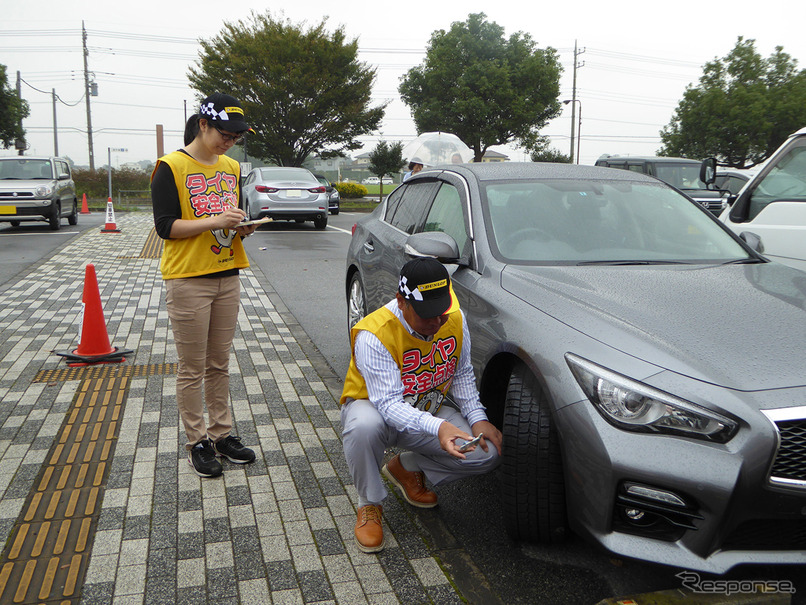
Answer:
(387, 180)
(37, 189)
(681, 173)
(772, 206)
(286, 193)
(645, 364)
(371, 180)
(333, 196)
(732, 179)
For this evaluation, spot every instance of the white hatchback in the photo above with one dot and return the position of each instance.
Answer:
(772, 205)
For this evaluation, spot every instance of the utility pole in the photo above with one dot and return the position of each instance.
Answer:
(19, 143)
(87, 96)
(55, 136)
(574, 98)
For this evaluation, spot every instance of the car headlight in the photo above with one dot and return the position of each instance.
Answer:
(634, 406)
(44, 191)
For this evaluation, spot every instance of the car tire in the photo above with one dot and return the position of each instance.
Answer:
(72, 218)
(14, 223)
(356, 301)
(320, 222)
(299, 221)
(55, 218)
(533, 487)
(334, 212)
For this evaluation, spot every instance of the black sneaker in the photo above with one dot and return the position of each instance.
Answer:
(202, 458)
(231, 448)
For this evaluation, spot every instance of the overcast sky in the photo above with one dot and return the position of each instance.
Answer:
(637, 61)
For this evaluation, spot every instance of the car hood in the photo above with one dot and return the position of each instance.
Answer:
(737, 326)
(12, 184)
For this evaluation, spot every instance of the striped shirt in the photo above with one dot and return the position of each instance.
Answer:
(385, 387)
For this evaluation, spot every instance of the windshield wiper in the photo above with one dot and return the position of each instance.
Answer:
(631, 262)
(744, 261)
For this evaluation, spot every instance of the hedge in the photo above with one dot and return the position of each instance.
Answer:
(350, 190)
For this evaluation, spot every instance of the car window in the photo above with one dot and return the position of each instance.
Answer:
(589, 221)
(786, 181)
(446, 215)
(408, 210)
(636, 168)
(679, 174)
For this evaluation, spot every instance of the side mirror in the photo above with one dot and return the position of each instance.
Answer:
(752, 240)
(708, 171)
(433, 243)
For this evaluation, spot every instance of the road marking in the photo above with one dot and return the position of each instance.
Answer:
(29, 234)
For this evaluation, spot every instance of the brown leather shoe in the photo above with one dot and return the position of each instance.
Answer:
(368, 528)
(412, 485)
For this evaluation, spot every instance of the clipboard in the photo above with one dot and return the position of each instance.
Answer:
(257, 221)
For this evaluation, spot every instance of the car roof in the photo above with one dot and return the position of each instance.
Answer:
(32, 157)
(648, 158)
(496, 171)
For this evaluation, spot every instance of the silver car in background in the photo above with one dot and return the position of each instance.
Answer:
(37, 189)
(286, 193)
(646, 366)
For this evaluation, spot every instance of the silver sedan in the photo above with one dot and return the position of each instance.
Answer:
(645, 365)
(286, 193)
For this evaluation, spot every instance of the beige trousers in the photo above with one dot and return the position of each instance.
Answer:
(203, 312)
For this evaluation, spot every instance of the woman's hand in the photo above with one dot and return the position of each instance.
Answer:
(246, 230)
(229, 218)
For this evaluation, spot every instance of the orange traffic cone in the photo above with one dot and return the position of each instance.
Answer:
(93, 344)
(110, 219)
(84, 209)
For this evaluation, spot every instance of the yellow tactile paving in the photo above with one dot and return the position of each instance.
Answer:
(49, 552)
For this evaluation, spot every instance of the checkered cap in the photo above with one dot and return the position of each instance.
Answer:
(224, 111)
(426, 285)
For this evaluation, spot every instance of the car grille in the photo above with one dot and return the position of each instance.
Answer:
(713, 206)
(10, 195)
(767, 534)
(790, 461)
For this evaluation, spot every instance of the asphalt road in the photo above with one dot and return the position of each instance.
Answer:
(306, 266)
(22, 247)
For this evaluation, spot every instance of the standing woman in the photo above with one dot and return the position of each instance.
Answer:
(195, 193)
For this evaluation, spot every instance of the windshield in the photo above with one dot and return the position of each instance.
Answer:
(786, 180)
(25, 169)
(561, 221)
(680, 175)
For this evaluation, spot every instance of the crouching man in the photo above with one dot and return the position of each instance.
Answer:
(406, 358)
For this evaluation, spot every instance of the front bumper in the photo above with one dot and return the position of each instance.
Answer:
(728, 510)
(24, 209)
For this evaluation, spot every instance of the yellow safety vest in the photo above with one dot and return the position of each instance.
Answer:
(203, 191)
(426, 367)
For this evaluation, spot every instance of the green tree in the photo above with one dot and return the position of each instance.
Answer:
(13, 111)
(742, 109)
(386, 159)
(541, 152)
(484, 88)
(303, 90)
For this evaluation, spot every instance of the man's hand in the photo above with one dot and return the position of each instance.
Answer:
(448, 434)
(490, 433)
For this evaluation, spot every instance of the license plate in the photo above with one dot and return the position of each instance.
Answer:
(8, 210)
(294, 193)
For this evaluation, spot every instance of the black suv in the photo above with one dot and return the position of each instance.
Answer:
(37, 189)
(681, 173)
